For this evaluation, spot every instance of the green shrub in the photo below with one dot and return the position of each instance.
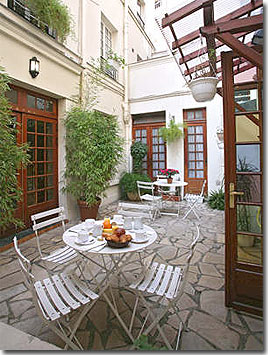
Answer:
(142, 344)
(128, 183)
(216, 199)
(138, 151)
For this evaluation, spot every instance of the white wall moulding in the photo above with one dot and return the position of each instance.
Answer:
(204, 88)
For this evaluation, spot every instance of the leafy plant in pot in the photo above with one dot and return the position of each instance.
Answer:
(204, 83)
(94, 150)
(128, 185)
(172, 132)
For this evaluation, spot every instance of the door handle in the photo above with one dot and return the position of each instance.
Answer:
(232, 194)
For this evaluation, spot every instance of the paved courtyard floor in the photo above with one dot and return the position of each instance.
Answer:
(210, 325)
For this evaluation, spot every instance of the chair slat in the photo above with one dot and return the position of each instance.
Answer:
(65, 293)
(55, 297)
(165, 281)
(174, 283)
(83, 287)
(56, 253)
(157, 279)
(134, 206)
(148, 278)
(74, 291)
(48, 222)
(46, 304)
(69, 254)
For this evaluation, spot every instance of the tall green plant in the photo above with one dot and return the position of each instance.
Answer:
(94, 149)
(53, 13)
(138, 150)
(171, 133)
(12, 157)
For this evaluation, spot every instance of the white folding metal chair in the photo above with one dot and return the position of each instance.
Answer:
(192, 200)
(170, 192)
(147, 196)
(166, 283)
(56, 298)
(60, 256)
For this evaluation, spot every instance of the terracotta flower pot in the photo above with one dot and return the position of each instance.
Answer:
(87, 211)
(169, 180)
(133, 196)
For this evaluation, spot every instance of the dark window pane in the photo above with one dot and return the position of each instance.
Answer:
(49, 168)
(40, 141)
(41, 182)
(30, 125)
(50, 180)
(40, 127)
(31, 199)
(31, 139)
(40, 155)
(31, 170)
(31, 152)
(40, 169)
(40, 196)
(49, 106)
(248, 157)
(12, 96)
(30, 184)
(40, 103)
(250, 185)
(31, 101)
(49, 194)
(49, 154)
(49, 141)
(49, 128)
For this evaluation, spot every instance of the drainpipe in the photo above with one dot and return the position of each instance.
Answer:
(126, 114)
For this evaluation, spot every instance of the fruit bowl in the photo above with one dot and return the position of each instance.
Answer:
(112, 244)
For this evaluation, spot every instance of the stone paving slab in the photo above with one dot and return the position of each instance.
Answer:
(209, 324)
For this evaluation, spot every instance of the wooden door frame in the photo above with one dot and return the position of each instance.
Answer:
(231, 266)
(185, 152)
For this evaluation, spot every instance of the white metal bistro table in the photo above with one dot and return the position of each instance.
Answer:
(174, 184)
(118, 258)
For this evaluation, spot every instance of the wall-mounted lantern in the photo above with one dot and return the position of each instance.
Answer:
(34, 66)
(220, 137)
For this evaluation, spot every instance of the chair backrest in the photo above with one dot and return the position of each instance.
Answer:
(144, 186)
(203, 188)
(25, 264)
(45, 219)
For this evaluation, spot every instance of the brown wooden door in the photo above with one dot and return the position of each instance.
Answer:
(195, 149)
(156, 156)
(243, 190)
(40, 179)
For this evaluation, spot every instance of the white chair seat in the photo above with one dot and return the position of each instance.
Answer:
(150, 198)
(61, 256)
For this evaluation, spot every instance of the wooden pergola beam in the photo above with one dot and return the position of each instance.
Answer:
(234, 26)
(231, 16)
(241, 49)
(208, 15)
(185, 11)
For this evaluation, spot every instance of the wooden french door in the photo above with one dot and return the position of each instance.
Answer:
(156, 156)
(243, 189)
(195, 149)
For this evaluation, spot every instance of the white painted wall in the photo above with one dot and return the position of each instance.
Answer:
(156, 85)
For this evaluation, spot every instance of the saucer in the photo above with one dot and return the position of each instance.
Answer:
(139, 240)
(89, 241)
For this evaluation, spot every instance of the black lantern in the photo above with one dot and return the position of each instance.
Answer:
(34, 67)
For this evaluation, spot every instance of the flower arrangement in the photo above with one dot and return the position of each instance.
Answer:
(168, 172)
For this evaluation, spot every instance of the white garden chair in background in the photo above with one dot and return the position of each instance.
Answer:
(166, 283)
(193, 200)
(60, 256)
(56, 298)
(146, 191)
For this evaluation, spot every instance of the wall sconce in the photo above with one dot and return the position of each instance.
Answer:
(220, 137)
(34, 66)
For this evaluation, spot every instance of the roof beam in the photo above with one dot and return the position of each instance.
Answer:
(240, 48)
(208, 14)
(231, 16)
(234, 26)
(185, 11)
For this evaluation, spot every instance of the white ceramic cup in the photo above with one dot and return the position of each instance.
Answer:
(118, 219)
(138, 223)
(89, 223)
(97, 230)
(128, 223)
(82, 236)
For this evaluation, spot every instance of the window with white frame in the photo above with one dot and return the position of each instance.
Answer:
(106, 41)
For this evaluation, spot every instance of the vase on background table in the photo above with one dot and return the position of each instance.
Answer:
(169, 180)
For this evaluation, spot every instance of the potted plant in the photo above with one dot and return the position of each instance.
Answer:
(138, 151)
(168, 173)
(94, 149)
(12, 157)
(204, 83)
(128, 185)
(171, 133)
